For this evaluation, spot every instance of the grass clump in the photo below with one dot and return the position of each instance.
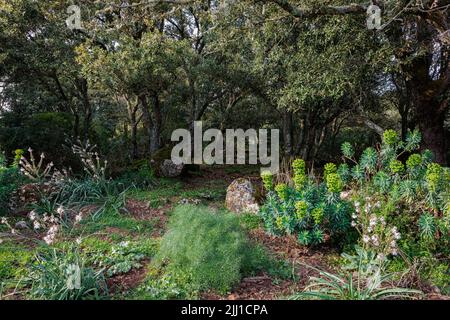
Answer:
(64, 274)
(209, 246)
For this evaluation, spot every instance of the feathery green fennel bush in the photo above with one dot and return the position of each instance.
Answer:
(210, 247)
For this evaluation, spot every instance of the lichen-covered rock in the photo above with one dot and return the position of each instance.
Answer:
(169, 169)
(241, 197)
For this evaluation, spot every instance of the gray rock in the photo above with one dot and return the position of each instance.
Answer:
(21, 225)
(170, 170)
(241, 197)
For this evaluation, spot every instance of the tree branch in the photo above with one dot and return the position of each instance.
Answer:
(326, 10)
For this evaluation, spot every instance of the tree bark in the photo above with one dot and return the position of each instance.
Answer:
(287, 132)
(132, 111)
(147, 120)
(429, 96)
(155, 141)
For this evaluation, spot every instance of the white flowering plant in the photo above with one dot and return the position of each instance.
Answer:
(33, 169)
(375, 233)
(63, 274)
(93, 166)
(354, 286)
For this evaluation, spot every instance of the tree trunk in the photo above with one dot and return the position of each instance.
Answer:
(287, 132)
(76, 126)
(134, 122)
(147, 119)
(87, 109)
(431, 125)
(134, 125)
(428, 96)
(155, 142)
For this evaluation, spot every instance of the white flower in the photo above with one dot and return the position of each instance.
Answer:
(394, 252)
(78, 240)
(354, 216)
(53, 219)
(366, 238)
(124, 244)
(49, 240)
(78, 218)
(32, 215)
(4, 220)
(53, 229)
(380, 257)
(375, 240)
(60, 210)
(353, 224)
(357, 204)
(36, 225)
(393, 244)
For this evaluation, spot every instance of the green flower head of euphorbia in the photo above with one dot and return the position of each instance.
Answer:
(282, 191)
(414, 160)
(301, 208)
(390, 137)
(267, 179)
(396, 166)
(334, 183)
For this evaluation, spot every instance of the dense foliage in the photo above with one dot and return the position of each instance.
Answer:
(312, 211)
(210, 248)
(87, 114)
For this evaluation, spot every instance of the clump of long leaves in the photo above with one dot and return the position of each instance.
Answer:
(64, 275)
(106, 195)
(364, 279)
(334, 287)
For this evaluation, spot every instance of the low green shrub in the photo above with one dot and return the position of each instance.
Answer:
(140, 175)
(121, 257)
(250, 221)
(210, 247)
(10, 180)
(14, 260)
(162, 285)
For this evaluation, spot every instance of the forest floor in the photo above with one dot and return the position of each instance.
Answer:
(145, 219)
(208, 187)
